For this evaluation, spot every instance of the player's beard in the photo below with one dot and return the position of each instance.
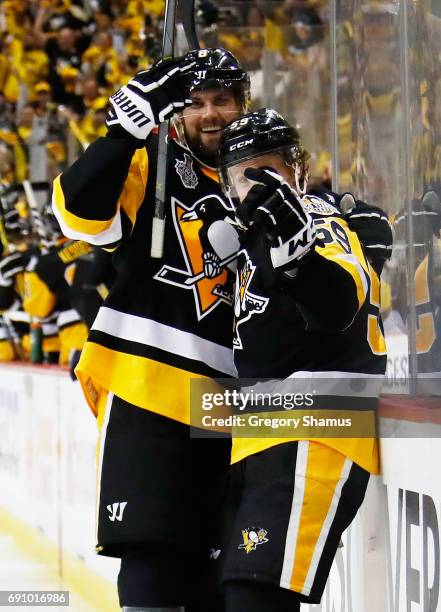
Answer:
(206, 153)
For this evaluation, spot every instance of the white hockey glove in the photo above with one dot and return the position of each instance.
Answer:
(276, 208)
(150, 97)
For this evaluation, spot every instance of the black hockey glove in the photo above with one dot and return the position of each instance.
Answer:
(150, 97)
(276, 209)
(372, 227)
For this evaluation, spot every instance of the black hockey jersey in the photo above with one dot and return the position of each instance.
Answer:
(325, 324)
(165, 321)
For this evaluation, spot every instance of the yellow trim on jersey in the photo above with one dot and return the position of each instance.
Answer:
(146, 383)
(38, 300)
(133, 192)
(320, 474)
(84, 226)
(73, 251)
(72, 338)
(7, 352)
(354, 263)
(362, 451)
(212, 174)
(51, 344)
(131, 198)
(26, 345)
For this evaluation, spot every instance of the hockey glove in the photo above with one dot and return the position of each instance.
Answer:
(152, 96)
(275, 208)
(372, 227)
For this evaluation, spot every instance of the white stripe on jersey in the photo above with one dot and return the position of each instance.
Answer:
(102, 441)
(296, 513)
(112, 234)
(151, 333)
(68, 316)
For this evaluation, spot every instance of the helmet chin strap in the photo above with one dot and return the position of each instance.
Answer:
(181, 140)
(300, 173)
(185, 146)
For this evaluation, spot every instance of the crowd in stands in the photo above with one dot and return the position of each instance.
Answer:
(59, 62)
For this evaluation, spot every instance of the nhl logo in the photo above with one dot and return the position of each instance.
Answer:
(185, 170)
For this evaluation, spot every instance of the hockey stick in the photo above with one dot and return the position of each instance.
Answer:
(158, 227)
(179, 277)
(187, 17)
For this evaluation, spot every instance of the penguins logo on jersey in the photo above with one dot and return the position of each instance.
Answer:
(185, 170)
(252, 538)
(245, 303)
(209, 246)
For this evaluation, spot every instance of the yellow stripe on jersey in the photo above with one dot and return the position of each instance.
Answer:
(362, 451)
(7, 352)
(353, 262)
(320, 475)
(81, 227)
(102, 232)
(51, 344)
(72, 338)
(210, 173)
(144, 382)
(133, 192)
(73, 251)
(38, 299)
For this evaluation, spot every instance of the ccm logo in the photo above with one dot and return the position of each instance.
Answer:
(240, 145)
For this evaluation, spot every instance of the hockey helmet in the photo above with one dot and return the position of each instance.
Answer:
(214, 68)
(219, 68)
(255, 134)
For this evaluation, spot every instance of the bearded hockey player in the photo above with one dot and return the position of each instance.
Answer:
(163, 323)
(306, 309)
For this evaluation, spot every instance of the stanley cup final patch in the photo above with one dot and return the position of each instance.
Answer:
(185, 170)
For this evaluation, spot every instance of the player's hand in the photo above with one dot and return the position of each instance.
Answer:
(276, 209)
(372, 227)
(150, 97)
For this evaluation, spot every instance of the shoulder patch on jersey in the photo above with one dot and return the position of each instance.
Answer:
(185, 170)
(315, 205)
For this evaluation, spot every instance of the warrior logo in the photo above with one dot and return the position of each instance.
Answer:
(209, 245)
(185, 170)
(245, 303)
(252, 538)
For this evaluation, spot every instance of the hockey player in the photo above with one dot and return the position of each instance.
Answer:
(306, 309)
(163, 323)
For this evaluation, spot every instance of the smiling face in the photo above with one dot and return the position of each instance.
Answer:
(203, 121)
